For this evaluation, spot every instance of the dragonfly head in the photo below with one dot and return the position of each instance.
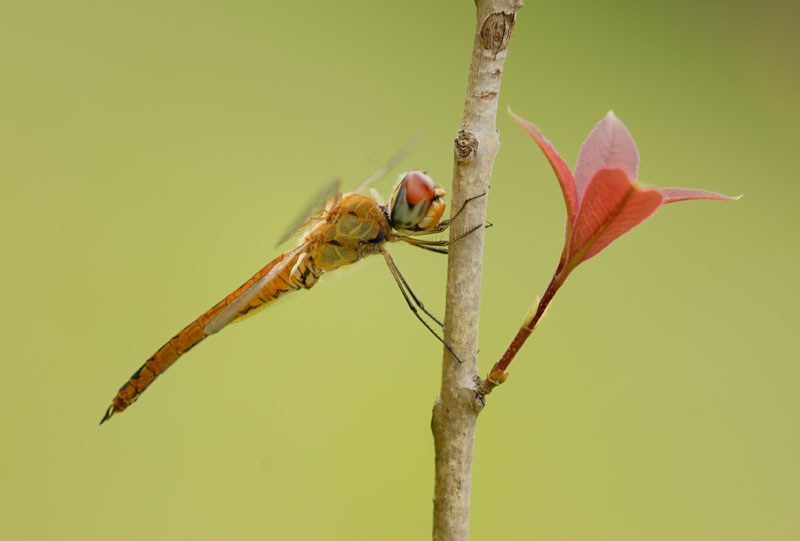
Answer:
(417, 204)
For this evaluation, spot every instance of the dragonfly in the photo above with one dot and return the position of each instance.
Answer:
(344, 229)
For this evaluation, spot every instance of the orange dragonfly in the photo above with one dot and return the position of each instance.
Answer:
(349, 227)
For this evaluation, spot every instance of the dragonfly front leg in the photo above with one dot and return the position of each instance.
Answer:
(443, 225)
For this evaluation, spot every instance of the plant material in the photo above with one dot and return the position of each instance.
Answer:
(603, 201)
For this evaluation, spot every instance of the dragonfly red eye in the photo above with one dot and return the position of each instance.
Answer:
(419, 187)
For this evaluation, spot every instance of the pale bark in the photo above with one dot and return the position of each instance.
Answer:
(456, 410)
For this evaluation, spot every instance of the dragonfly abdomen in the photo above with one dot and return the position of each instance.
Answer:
(299, 273)
(161, 360)
(214, 320)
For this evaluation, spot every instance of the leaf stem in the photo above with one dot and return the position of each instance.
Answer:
(497, 373)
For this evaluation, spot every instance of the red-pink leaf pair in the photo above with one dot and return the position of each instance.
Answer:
(603, 199)
(603, 203)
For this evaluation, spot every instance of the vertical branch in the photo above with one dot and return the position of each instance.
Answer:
(456, 410)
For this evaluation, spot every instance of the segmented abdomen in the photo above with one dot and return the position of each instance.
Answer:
(197, 330)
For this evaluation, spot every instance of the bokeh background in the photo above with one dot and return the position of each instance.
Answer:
(151, 153)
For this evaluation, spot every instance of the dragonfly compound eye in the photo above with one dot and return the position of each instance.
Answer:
(411, 200)
(419, 187)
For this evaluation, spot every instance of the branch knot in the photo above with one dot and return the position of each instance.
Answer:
(496, 31)
(466, 146)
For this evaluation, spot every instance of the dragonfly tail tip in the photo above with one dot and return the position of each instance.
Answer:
(108, 414)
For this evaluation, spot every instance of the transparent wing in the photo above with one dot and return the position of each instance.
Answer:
(312, 210)
(390, 164)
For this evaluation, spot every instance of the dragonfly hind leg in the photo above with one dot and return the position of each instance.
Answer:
(406, 291)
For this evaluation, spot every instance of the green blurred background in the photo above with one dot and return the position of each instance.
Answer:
(151, 153)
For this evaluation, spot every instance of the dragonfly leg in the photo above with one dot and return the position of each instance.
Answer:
(443, 225)
(403, 285)
(397, 274)
(426, 243)
(434, 249)
(446, 223)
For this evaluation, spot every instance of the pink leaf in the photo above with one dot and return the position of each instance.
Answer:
(672, 195)
(609, 145)
(559, 167)
(612, 205)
